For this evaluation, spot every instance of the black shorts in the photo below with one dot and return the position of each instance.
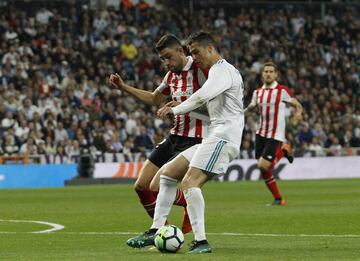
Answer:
(266, 148)
(170, 148)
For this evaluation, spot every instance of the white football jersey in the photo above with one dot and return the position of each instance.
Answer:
(223, 95)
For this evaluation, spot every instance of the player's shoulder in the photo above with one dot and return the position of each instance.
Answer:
(196, 67)
(221, 62)
(284, 88)
(223, 65)
(168, 77)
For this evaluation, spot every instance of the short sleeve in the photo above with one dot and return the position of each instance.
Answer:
(286, 95)
(254, 98)
(164, 86)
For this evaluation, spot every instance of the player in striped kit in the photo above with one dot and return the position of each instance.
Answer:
(270, 146)
(223, 94)
(182, 80)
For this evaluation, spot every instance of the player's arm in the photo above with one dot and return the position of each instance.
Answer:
(200, 113)
(150, 98)
(249, 108)
(298, 108)
(219, 80)
(252, 104)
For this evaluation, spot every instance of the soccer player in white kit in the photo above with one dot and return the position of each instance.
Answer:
(223, 95)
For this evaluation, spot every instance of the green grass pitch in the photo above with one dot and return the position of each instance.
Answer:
(320, 222)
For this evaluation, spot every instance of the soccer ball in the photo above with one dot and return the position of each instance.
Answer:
(169, 239)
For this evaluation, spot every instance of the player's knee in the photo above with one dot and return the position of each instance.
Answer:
(154, 185)
(139, 185)
(185, 183)
(166, 170)
(263, 167)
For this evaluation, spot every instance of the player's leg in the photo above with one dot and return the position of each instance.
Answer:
(180, 144)
(211, 158)
(179, 201)
(284, 149)
(266, 162)
(193, 181)
(147, 197)
(158, 157)
(155, 185)
(287, 152)
(170, 174)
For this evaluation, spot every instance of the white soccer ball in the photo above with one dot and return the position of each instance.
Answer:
(169, 238)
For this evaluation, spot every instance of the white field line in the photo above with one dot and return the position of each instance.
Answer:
(218, 234)
(55, 227)
(211, 234)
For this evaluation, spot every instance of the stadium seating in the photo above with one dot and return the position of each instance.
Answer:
(55, 62)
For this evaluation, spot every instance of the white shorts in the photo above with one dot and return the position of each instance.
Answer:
(213, 155)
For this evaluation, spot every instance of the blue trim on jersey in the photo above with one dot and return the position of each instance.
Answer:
(214, 157)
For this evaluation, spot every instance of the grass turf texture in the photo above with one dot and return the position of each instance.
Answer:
(324, 207)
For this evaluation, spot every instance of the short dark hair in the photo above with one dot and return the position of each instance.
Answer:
(202, 38)
(272, 65)
(168, 40)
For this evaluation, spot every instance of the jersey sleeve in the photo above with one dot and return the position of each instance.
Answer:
(253, 99)
(286, 95)
(164, 86)
(219, 80)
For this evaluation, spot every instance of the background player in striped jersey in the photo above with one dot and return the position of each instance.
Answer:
(182, 80)
(270, 146)
(223, 94)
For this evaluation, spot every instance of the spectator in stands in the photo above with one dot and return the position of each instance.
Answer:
(305, 134)
(143, 142)
(11, 104)
(50, 147)
(28, 108)
(315, 148)
(99, 141)
(60, 156)
(8, 121)
(60, 133)
(22, 131)
(28, 148)
(128, 49)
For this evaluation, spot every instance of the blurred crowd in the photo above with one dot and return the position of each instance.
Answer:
(55, 62)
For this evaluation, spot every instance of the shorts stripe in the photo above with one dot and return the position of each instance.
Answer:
(215, 155)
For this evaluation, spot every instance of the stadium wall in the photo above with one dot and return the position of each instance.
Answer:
(54, 175)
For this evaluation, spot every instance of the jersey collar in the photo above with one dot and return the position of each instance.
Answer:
(272, 86)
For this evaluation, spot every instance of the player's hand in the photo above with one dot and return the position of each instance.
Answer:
(116, 81)
(165, 112)
(172, 104)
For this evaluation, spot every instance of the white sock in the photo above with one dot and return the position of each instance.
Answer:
(164, 201)
(196, 210)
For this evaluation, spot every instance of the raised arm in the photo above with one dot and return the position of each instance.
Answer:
(150, 98)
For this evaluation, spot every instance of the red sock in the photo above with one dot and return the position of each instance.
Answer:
(148, 200)
(271, 183)
(180, 199)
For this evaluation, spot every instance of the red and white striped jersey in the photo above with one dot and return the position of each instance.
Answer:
(180, 87)
(271, 104)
